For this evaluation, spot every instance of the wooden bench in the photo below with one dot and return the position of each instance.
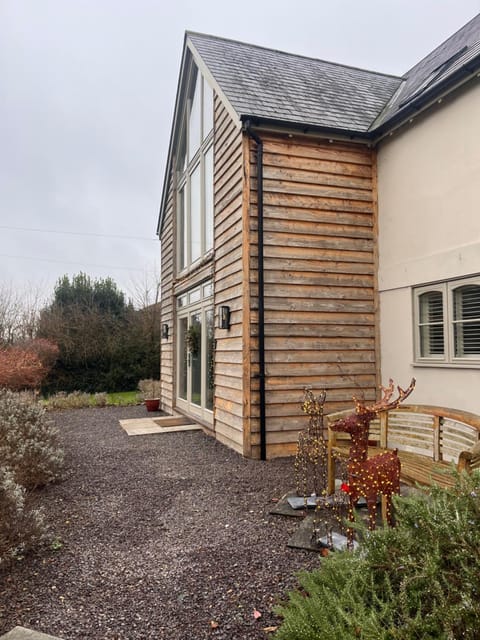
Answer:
(428, 439)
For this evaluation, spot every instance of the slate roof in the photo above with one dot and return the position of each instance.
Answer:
(287, 88)
(458, 56)
(281, 87)
(271, 86)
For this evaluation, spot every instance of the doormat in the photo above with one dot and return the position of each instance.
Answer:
(147, 426)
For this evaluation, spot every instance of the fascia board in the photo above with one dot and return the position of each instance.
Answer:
(173, 131)
(213, 83)
(188, 49)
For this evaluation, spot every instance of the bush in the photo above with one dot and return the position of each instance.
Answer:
(28, 441)
(20, 369)
(100, 399)
(76, 400)
(20, 528)
(26, 365)
(149, 389)
(420, 579)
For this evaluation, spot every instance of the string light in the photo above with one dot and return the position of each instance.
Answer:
(369, 477)
(311, 463)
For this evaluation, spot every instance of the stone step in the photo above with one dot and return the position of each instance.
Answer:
(21, 633)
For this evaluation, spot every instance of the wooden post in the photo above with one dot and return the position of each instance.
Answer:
(331, 462)
(437, 423)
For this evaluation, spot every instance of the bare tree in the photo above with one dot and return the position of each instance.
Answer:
(19, 313)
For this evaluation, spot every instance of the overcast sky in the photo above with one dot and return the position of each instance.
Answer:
(87, 89)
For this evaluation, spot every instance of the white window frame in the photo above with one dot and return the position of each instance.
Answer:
(199, 299)
(184, 175)
(449, 358)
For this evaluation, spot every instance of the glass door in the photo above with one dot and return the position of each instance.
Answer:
(195, 332)
(195, 353)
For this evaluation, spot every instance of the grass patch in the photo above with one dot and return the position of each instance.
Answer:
(122, 398)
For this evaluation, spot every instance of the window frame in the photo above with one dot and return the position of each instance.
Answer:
(185, 169)
(449, 358)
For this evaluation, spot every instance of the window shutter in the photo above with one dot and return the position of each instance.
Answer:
(432, 341)
(466, 321)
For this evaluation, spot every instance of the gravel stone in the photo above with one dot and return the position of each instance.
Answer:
(162, 536)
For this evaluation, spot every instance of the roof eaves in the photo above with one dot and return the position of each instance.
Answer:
(304, 128)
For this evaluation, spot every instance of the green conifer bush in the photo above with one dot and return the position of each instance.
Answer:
(418, 580)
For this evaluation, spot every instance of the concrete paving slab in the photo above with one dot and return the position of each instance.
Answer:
(21, 633)
(147, 426)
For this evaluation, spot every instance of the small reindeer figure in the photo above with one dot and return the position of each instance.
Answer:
(369, 477)
(311, 458)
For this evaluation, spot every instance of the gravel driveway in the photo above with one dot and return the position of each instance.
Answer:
(162, 536)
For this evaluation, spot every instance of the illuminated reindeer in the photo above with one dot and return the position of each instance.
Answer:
(369, 477)
(311, 458)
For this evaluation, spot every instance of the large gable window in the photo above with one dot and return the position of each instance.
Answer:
(195, 173)
(447, 322)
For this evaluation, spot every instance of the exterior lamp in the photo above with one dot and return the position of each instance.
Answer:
(165, 331)
(224, 318)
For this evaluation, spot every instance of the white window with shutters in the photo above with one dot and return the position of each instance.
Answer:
(447, 322)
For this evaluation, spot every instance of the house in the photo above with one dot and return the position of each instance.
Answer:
(319, 226)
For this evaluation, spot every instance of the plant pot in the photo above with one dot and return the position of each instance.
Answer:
(152, 404)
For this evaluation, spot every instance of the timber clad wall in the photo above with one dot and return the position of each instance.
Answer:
(166, 349)
(320, 294)
(228, 188)
(320, 288)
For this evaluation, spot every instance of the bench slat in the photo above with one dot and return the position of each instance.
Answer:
(428, 439)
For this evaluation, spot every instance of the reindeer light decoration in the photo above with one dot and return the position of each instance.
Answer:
(380, 474)
(311, 458)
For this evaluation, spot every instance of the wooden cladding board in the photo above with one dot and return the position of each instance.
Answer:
(320, 291)
(167, 315)
(228, 198)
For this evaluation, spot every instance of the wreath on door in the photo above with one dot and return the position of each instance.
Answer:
(193, 339)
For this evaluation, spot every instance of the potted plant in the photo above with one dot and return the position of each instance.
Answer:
(149, 392)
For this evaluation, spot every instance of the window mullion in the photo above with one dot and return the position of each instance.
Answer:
(188, 223)
(202, 201)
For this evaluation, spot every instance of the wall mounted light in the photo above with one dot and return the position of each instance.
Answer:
(224, 317)
(165, 331)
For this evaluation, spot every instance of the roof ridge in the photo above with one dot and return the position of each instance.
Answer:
(293, 55)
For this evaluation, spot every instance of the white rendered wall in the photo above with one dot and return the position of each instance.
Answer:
(429, 230)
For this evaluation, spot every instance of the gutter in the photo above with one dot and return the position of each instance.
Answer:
(261, 290)
(282, 126)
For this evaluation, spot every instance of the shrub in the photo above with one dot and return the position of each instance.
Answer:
(420, 579)
(26, 365)
(28, 441)
(100, 399)
(149, 388)
(46, 350)
(20, 369)
(76, 400)
(20, 528)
